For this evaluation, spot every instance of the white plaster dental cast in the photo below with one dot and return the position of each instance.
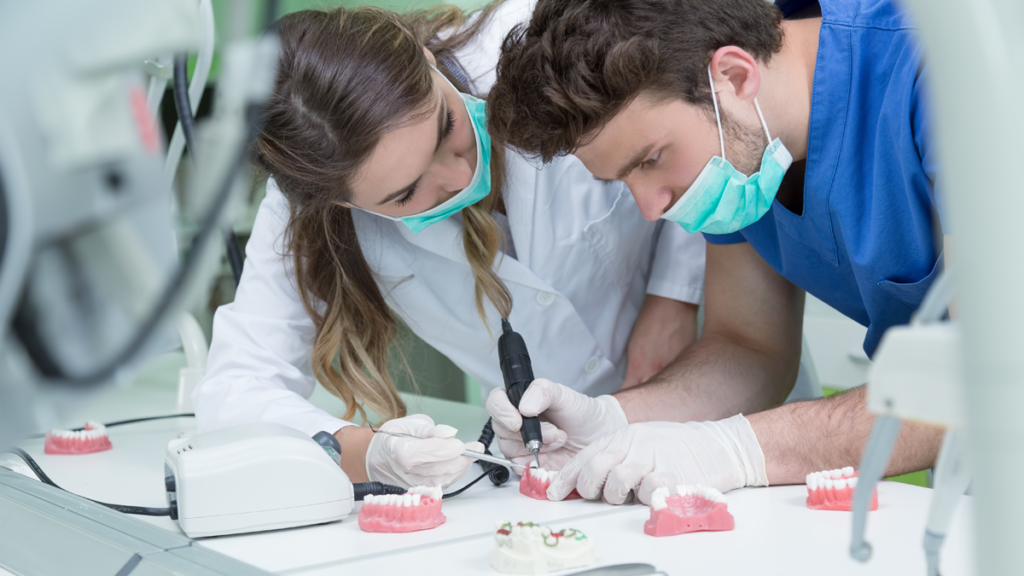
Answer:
(92, 439)
(833, 490)
(528, 548)
(690, 509)
(417, 509)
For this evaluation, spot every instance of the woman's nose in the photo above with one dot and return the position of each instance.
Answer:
(456, 174)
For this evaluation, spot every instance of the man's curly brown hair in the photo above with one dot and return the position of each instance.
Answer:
(579, 62)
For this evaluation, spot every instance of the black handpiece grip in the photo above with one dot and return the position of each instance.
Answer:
(518, 373)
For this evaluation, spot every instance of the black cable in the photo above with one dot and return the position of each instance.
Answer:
(234, 252)
(42, 356)
(182, 105)
(362, 489)
(137, 510)
(498, 474)
(464, 488)
(123, 422)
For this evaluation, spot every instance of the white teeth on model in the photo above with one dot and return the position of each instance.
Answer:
(658, 498)
(836, 474)
(852, 482)
(542, 474)
(416, 499)
(840, 484)
(848, 471)
(426, 491)
(829, 484)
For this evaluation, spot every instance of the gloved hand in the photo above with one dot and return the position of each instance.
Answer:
(643, 457)
(436, 460)
(569, 421)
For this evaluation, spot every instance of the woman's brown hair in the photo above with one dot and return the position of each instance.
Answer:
(346, 77)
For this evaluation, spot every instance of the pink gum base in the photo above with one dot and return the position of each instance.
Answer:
(57, 445)
(538, 489)
(392, 518)
(667, 522)
(832, 499)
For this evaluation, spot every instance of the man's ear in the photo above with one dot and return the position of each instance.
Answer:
(735, 71)
(430, 57)
(344, 205)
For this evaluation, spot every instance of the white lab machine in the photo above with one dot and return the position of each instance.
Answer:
(253, 477)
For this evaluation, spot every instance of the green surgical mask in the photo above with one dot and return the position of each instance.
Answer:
(479, 187)
(723, 200)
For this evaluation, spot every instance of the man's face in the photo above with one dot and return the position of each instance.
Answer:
(658, 147)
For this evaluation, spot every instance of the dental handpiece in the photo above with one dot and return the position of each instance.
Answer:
(518, 373)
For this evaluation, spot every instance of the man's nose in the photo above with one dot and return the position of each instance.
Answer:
(653, 200)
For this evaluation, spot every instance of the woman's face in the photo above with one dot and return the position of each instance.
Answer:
(420, 165)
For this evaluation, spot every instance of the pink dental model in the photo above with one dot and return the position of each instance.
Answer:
(690, 509)
(92, 439)
(833, 490)
(535, 482)
(417, 509)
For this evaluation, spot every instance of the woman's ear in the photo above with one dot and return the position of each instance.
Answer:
(344, 205)
(430, 57)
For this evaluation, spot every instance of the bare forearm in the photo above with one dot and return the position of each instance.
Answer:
(354, 441)
(805, 437)
(713, 379)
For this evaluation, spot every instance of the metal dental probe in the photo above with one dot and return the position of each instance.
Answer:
(518, 373)
(470, 453)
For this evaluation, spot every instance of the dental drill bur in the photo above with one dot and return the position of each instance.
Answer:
(518, 373)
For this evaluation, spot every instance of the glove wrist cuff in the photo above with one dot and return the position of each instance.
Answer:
(753, 456)
(617, 418)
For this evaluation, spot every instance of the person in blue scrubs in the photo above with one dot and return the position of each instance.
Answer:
(827, 186)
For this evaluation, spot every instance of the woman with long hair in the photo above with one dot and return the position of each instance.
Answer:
(386, 200)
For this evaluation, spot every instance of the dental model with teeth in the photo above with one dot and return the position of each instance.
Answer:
(528, 548)
(690, 509)
(92, 439)
(417, 509)
(833, 490)
(535, 482)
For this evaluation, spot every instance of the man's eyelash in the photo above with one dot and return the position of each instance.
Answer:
(449, 124)
(651, 161)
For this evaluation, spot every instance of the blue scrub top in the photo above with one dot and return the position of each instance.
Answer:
(866, 242)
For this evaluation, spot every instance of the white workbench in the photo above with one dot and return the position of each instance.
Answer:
(775, 532)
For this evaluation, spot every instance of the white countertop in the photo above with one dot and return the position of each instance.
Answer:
(775, 532)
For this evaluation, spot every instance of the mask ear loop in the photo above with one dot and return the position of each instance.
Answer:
(763, 123)
(718, 118)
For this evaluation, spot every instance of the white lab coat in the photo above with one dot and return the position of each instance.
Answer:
(584, 260)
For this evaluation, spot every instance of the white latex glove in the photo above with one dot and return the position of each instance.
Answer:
(724, 455)
(436, 460)
(569, 421)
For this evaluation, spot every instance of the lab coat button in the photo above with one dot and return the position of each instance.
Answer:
(592, 365)
(545, 298)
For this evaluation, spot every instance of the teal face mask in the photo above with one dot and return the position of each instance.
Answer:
(479, 187)
(723, 200)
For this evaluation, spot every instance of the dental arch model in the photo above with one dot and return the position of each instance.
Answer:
(690, 509)
(92, 439)
(535, 482)
(528, 548)
(417, 509)
(833, 490)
